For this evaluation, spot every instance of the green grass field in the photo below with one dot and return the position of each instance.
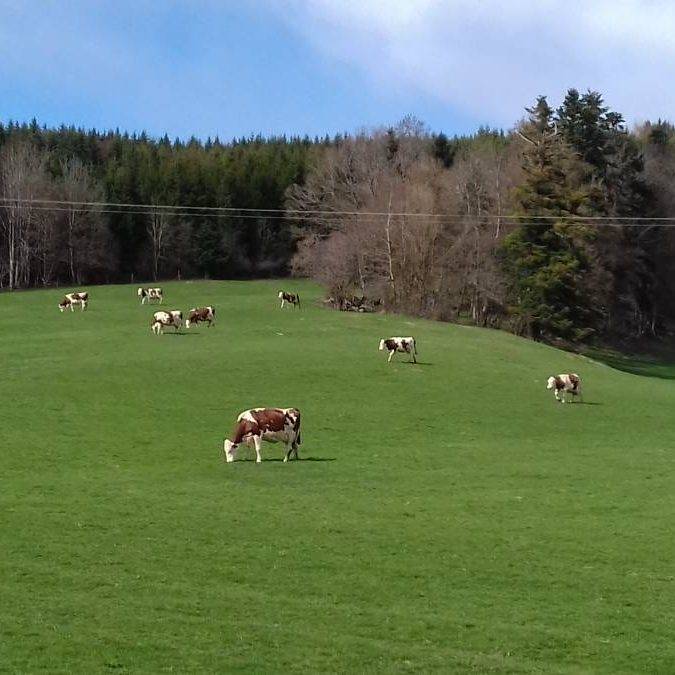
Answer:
(448, 516)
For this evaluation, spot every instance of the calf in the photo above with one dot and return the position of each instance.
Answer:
(291, 298)
(200, 314)
(265, 424)
(399, 344)
(564, 383)
(161, 320)
(72, 299)
(150, 294)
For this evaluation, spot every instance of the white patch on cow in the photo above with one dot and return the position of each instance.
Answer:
(166, 319)
(228, 449)
(248, 415)
(401, 344)
(571, 384)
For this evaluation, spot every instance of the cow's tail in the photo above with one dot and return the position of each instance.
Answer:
(298, 297)
(417, 351)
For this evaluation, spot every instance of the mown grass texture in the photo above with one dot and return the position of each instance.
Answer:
(446, 516)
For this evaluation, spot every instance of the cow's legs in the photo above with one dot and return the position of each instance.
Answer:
(391, 355)
(282, 302)
(291, 451)
(258, 443)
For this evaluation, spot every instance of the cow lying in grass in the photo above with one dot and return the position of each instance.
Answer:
(199, 315)
(399, 344)
(265, 424)
(564, 383)
(150, 294)
(161, 320)
(291, 298)
(72, 299)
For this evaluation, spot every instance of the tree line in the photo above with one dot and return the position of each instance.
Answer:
(550, 230)
(74, 238)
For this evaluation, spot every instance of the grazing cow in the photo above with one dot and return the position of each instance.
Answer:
(564, 383)
(265, 424)
(199, 314)
(150, 294)
(161, 320)
(72, 299)
(291, 298)
(399, 344)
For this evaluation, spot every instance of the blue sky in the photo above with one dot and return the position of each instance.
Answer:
(231, 68)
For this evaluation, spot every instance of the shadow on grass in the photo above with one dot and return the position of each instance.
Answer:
(290, 461)
(661, 365)
(412, 363)
(183, 334)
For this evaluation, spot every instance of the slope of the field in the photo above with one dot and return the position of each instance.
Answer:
(446, 516)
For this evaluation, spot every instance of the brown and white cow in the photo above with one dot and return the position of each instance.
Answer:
(564, 383)
(72, 299)
(201, 314)
(399, 344)
(161, 320)
(291, 298)
(150, 294)
(265, 424)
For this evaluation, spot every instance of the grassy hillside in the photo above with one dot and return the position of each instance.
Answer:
(447, 516)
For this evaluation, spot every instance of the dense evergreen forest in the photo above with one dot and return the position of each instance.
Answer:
(50, 243)
(555, 229)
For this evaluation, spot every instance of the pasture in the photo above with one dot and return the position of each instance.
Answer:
(448, 516)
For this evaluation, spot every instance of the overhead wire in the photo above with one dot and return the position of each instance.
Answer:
(248, 213)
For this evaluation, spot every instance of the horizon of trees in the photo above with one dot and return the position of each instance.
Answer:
(494, 232)
(513, 248)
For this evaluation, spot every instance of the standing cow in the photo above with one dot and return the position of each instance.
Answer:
(147, 294)
(72, 299)
(399, 344)
(291, 298)
(161, 320)
(201, 314)
(265, 424)
(564, 383)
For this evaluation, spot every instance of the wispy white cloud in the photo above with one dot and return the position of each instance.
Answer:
(489, 59)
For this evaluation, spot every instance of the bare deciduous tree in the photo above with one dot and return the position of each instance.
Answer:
(22, 177)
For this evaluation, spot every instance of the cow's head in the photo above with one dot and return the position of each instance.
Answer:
(550, 383)
(140, 292)
(229, 448)
(62, 305)
(381, 345)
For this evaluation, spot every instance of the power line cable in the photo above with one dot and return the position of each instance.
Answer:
(312, 214)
